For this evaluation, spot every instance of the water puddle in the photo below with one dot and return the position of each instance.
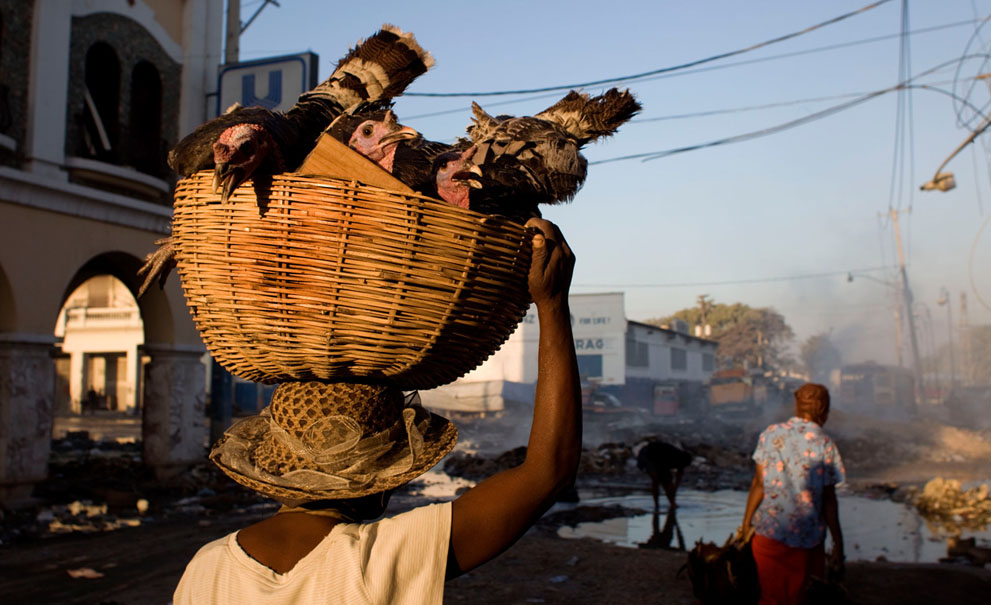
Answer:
(872, 528)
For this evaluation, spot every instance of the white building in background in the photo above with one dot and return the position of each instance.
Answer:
(99, 330)
(619, 356)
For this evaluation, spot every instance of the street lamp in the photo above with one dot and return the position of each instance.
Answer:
(943, 181)
(944, 299)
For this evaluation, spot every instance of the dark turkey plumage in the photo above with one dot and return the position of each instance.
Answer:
(247, 142)
(377, 69)
(537, 159)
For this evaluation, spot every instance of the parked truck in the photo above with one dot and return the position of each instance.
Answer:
(736, 389)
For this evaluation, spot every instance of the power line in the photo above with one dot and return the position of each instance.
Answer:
(745, 108)
(655, 155)
(735, 282)
(818, 49)
(554, 91)
(976, 35)
(663, 69)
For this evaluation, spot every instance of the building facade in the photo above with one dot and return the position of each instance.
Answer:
(625, 358)
(92, 95)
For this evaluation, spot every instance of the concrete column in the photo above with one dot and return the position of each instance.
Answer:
(27, 399)
(202, 32)
(130, 404)
(174, 426)
(48, 88)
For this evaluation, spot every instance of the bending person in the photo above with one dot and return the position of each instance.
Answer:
(665, 465)
(792, 500)
(334, 467)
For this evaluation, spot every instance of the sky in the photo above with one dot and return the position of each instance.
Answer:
(775, 221)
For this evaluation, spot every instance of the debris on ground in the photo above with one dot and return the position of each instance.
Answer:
(84, 572)
(945, 503)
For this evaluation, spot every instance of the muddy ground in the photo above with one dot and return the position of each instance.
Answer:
(96, 488)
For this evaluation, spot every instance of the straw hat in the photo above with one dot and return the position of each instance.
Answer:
(329, 441)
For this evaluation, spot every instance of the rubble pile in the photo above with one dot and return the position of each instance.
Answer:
(715, 466)
(475, 466)
(87, 517)
(607, 459)
(876, 451)
(945, 503)
(96, 486)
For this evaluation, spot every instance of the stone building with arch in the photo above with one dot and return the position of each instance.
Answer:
(92, 95)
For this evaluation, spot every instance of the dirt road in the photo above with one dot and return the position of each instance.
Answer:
(143, 564)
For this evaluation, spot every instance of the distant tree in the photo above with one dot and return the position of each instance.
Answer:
(747, 336)
(820, 357)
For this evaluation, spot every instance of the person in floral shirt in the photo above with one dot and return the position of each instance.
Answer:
(792, 499)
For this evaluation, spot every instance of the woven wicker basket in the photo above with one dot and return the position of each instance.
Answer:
(329, 279)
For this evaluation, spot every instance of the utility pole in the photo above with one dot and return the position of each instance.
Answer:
(907, 296)
(898, 331)
(944, 299)
(968, 354)
(702, 330)
(232, 44)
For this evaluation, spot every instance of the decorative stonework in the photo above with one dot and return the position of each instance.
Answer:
(132, 44)
(27, 388)
(174, 422)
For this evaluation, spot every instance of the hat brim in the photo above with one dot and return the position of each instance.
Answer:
(438, 440)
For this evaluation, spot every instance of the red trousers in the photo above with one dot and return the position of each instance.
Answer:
(784, 571)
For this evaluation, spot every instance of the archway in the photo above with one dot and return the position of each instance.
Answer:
(99, 332)
(100, 335)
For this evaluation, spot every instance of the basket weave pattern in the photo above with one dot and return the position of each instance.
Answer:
(328, 279)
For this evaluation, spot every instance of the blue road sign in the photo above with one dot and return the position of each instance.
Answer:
(274, 83)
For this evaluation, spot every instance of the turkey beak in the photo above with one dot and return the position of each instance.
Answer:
(466, 176)
(403, 134)
(226, 179)
(218, 170)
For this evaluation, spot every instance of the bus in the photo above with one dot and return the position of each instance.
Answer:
(877, 387)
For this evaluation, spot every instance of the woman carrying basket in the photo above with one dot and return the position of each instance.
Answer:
(323, 545)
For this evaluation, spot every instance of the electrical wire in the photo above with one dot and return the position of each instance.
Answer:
(554, 94)
(655, 155)
(663, 69)
(735, 282)
(745, 108)
(961, 121)
(977, 182)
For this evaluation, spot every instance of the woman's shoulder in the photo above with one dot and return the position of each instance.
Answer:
(427, 514)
